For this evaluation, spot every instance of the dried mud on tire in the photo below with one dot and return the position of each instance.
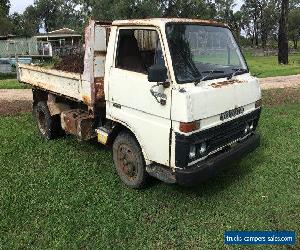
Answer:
(15, 107)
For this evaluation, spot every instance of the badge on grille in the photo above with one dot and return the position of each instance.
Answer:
(232, 113)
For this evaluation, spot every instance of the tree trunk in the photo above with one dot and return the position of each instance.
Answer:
(264, 39)
(295, 44)
(283, 44)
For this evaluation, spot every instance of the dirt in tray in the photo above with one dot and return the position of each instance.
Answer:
(15, 107)
(71, 63)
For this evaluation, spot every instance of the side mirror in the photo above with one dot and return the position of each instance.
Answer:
(158, 73)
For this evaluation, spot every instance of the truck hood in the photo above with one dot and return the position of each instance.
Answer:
(211, 98)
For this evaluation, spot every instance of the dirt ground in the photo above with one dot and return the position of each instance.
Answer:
(280, 82)
(15, 101)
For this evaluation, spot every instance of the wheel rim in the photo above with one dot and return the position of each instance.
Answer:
(42, 122)
(126, 162)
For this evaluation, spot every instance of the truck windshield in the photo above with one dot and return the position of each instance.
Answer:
(203, 52)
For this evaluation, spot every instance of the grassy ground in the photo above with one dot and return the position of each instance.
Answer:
(12, 84)
(9, 81)
(266, 66)
(66, 195)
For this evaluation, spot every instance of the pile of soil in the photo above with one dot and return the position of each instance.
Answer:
(71, 63)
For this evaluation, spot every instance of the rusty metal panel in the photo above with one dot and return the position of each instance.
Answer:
(77, 122)
(100, 38)
(99, 66)
(96, 34)
(160, 22)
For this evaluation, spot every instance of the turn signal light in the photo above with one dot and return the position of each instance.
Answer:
(258, 104)
(188, 127)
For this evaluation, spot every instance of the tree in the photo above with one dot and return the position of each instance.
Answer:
(124, 9)
(294, 26)
(269, 14)
(4, 7)
(48, 12)
(260, 20)
(283, 45)
(26, 24)
(224, 10)
(251, 16)
(5, 24)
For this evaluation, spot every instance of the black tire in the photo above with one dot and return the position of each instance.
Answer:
(49, 126)
(129, 161)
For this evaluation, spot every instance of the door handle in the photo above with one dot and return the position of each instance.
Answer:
(118, 106)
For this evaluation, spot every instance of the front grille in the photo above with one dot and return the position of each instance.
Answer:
(215, 138)
(229, 132)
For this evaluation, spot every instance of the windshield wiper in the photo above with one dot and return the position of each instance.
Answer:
(211, 72)
(236, 71)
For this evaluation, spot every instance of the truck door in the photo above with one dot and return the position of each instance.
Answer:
(131, 100)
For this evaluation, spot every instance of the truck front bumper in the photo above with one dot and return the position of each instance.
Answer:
(208, 168)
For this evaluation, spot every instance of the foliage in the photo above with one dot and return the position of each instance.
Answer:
(5, 24)
(260, 20)
(4, 7)
(26, 24)
(294, 26)
(124, 9)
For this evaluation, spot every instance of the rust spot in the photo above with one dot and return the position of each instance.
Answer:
(100, 53)
(78, 122)
(225, 83)
(86, 100)
(99, 89)
(154, 21)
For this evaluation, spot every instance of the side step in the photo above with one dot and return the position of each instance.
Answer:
(162, 173)
(77, 122)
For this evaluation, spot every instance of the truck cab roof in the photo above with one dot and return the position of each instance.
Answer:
(158, 22)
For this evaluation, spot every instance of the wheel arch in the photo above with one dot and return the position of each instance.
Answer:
(123, 127)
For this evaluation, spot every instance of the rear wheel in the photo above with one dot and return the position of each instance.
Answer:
(129, 161)
(49, 126)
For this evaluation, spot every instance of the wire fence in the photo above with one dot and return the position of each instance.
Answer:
(32, 47)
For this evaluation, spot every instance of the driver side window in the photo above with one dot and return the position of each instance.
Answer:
(138, 50)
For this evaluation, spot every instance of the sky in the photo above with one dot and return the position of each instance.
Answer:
(20, 5)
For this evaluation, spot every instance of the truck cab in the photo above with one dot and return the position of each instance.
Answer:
(174, 98)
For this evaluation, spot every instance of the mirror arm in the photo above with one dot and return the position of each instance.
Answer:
(166, 84)
(159, 97)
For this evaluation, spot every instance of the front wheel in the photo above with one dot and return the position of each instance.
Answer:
(129, 161)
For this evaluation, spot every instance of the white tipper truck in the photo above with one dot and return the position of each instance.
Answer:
(173, 97)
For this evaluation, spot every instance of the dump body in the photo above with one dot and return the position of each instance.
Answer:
(87, 87)
(63, 83)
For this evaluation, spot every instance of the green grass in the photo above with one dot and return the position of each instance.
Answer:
(9, 81)
(12, 84)
(66, 195)
(267, 66)
(7, 76)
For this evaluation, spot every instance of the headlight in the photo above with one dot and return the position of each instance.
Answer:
(192, 154)
(202, 148)
(247, 129)
(252, 126)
